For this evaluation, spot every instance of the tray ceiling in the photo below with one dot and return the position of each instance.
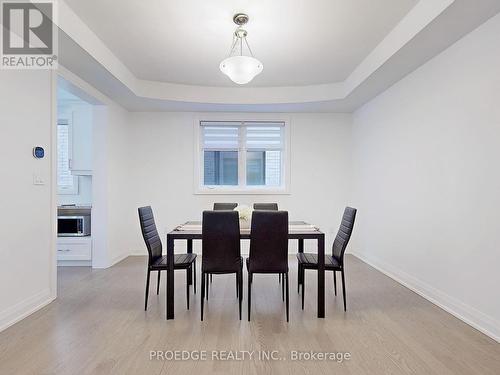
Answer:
(300, 42)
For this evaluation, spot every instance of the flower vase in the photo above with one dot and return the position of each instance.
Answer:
(244, 224)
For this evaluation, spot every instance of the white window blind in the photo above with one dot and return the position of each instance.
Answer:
(220, 136)
(264, 136)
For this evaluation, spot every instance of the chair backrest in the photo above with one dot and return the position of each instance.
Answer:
(344, 234)
(225, 206)
(221, 248)
(149, 233)
(269, 242)
(266, 206)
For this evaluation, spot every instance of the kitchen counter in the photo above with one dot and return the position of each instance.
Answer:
(74, 210)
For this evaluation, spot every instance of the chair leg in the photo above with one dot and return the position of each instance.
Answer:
(147, 291)
(158, 283)
(202, 293)
(188, 271)
(335, 281)
(287, 298)
(194, 275)
(240, 290)
(210, 278)
(279, 278)
(303, 286)
(283, 288)
(237, 284)
(299, 277)
(249, 294)
(206, 276)
(343, 289)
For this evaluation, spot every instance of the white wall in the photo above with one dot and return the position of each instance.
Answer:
(119, 179)
(27, 231)
(427, 179)
(110, 185)
(161, 162)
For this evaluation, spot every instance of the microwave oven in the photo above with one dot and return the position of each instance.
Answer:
(73, 226)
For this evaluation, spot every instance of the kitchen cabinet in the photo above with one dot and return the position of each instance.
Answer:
(74, 249)
(81, 150)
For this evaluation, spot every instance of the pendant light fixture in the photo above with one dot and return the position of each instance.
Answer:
(240, 66)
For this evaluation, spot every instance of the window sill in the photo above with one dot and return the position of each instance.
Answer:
(241, 191)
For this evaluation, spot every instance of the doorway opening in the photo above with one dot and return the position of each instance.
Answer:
(79, 209)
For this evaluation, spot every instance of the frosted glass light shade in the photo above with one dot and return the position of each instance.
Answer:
(241, 69)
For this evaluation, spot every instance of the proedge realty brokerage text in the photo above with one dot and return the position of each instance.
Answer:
(245, 355)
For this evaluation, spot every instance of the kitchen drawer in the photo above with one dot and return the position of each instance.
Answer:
(74, 249)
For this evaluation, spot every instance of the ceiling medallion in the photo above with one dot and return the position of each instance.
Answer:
(240, 66)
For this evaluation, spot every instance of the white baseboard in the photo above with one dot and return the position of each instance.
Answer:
(473, 317)
(21, 310)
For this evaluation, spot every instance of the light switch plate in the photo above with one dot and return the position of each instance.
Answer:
(38, 180)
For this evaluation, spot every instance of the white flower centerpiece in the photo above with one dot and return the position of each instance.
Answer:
(245, 214)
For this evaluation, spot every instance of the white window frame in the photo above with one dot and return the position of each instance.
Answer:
(241, 189)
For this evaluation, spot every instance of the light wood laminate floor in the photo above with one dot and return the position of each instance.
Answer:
(98, 326)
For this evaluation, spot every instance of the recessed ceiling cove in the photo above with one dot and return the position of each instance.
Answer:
(300, 42)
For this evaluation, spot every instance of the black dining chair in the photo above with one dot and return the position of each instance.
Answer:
(266, 206)
(268, 249)
(225, 206)
(335, 262)
(221, 250)
(156, 260)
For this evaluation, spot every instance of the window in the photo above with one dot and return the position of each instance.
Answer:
(221, 167)
(220, 154)
(264, 145)
(66, 182)
(242, 156)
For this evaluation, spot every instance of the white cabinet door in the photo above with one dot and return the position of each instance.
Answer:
(74, 248)
(81, 160)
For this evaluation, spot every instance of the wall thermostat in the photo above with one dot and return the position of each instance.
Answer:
(38, 152)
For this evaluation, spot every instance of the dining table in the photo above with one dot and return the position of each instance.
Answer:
(192, 230)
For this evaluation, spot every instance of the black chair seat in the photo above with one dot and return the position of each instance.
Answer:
(180, 261)
(308, 260)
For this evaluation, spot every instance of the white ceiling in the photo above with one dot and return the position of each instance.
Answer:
(64, 96)
(428, 28)
(300, 42)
